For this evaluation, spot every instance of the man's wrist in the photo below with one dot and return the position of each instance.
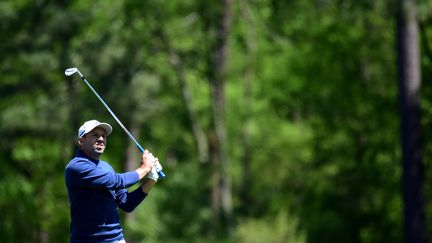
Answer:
(142, 172)
(147, 185)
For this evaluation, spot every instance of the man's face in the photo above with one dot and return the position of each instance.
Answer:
(93, 143)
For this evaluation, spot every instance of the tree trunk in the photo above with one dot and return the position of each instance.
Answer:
(65, 62)
(132, 155)
(222, 182)
(409, 85)
(131, 163)
(247, 101)
(198, 132)
(178, 66)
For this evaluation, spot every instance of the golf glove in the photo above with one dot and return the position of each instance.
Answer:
(158, 166)
(153, 173)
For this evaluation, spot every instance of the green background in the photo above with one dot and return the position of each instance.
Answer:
(310, 113)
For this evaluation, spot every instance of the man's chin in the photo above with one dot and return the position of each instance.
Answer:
(99, 151)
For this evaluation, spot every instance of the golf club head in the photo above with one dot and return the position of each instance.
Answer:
(70, 71)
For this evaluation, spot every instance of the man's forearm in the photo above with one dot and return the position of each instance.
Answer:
(147, 185)
(128, 201)
(142, 172)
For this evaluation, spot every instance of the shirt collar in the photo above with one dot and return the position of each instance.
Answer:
(81, 154)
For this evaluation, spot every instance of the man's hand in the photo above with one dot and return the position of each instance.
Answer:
(148, 162)
(153, 173)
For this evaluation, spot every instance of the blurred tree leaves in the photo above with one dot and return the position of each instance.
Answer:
(319, 111)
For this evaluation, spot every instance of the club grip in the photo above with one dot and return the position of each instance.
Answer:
(161, 174)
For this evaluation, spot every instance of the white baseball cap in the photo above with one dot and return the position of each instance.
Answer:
(88, 126)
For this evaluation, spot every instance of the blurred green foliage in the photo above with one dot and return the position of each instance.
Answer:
(311, 114)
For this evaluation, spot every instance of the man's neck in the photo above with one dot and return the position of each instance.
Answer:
(93, 156)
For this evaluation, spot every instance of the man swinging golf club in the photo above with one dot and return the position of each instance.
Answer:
(95, 190)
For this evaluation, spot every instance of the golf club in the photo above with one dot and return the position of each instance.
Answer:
(72, 71)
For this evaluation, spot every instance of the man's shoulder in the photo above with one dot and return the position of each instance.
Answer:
(79, 162)
(105, 165)
(82, 164)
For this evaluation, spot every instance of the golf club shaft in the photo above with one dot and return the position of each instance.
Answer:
(160, 173)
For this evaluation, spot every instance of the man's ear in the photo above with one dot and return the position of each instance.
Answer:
(80, 141)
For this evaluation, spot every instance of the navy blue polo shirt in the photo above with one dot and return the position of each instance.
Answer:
(95, 192)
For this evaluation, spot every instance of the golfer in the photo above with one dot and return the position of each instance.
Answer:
(95, 190)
